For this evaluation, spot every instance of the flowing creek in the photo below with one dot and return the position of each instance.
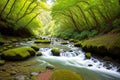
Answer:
(73, 58)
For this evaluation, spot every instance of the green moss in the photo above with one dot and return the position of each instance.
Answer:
(42, 41)
(2, 62)
(55, 51)
(14, 40)
(65, 75)
(107, 58)
(108, 41)
(35, 47)
(78, 44)
(71, 40)
(64, 43)
(18, 53)
(1, 40)
(88, 55)
(39, 53)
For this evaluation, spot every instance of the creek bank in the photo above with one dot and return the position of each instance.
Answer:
(104, 45)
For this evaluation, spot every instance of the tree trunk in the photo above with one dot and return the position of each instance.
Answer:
(26, 13)
(31, 20)
(11, 8)
(21, 9)
(84, 16)
(4, 8)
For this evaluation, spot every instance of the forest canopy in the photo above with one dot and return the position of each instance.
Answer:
(83, 18)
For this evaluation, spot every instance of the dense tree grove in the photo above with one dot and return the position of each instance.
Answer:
(84, 18)
(22, 14)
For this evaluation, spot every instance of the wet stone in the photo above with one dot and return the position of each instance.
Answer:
(90, 65)
(13, 73)
(33, 74)
(3, 69)
(49, 67)
(2, 62)
(19, 78)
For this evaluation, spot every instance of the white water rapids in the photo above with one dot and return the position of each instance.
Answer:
(74, 58)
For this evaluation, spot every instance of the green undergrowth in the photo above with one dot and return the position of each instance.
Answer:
(108, 41)
(65, 75)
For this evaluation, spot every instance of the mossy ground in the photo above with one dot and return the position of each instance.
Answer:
(42, 41)
(108, 41)
(65, 75)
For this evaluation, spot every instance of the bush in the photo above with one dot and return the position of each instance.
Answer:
(93, 33)
(84, 34)
(116, 23)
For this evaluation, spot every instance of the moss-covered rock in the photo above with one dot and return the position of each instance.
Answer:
(55, 51)
(65, 42)
(107, 58)
(2, 62)
(88, 55)
(71, 40)
(42, 41)
(14, 40)
(65, 75)
(35, 47)
(77, 44)
(39, 53)
(18, 53)
(1, 40)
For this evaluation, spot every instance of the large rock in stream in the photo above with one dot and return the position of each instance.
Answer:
(19, 53)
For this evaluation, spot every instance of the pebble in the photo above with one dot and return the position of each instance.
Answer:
(33, 74)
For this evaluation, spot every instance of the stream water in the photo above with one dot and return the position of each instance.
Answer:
(73, 58)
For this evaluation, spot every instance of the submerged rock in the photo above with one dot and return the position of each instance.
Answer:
(19, 53)
(55, 51)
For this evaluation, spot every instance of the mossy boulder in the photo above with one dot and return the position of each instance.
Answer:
(39, 53)
(55, 51)
(1, 41)
(19, 53)
(77, 44)
(64, 43)
(42, 41)
(14, 40)
(71, 40)
(107, 58)
(2, 62)
(65, 75)
(35, 47)
(88, 55)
